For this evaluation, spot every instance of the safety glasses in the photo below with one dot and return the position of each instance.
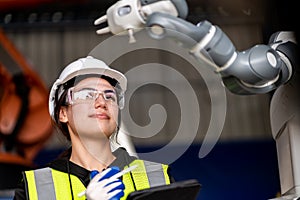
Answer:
(90, 95)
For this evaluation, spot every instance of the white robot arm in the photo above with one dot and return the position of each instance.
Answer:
(257, 70)
(129, 16)
(260, 69)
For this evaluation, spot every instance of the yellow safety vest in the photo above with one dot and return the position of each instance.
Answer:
(48, 183)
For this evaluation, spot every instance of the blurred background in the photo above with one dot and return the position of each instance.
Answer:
(41, 37)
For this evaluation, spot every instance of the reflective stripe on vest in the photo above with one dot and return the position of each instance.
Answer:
(47, 183)
(147, 174)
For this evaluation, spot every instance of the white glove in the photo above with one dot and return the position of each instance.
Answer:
(102, 187)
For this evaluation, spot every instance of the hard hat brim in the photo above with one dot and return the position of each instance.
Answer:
(118, 76)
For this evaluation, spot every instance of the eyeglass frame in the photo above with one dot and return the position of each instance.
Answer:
(119, 95)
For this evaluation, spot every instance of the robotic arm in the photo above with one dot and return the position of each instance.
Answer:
(129, 16)
(257, 70)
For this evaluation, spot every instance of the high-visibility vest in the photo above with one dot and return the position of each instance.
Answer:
(48, 183)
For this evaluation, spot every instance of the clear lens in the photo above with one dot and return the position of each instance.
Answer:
(88, 95)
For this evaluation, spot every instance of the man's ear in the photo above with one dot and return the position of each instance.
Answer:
(63, 117)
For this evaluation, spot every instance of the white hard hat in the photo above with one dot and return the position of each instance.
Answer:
(84, 66)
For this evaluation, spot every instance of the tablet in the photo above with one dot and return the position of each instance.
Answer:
(183, 190)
